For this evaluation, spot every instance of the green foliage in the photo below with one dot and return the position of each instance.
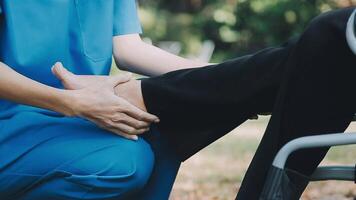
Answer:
(236, 26)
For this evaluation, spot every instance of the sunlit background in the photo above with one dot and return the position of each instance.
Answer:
(214, 31)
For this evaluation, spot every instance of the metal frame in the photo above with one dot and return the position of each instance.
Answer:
(339, 173)
(346, 173)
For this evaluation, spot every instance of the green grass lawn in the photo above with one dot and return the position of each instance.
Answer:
(216, 172)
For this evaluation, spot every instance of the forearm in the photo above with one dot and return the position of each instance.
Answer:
(132, 54)
(18, 88)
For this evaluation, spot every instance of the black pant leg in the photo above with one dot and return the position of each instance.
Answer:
(198, 106)
(317, 96)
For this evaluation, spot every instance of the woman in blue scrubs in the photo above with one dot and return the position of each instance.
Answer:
(82, 144)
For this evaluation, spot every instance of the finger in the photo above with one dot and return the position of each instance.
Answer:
(138, 124)
(113, 130)
(119, 132)
(61, 72)
(120, 78)
(126, 129)
(139, 114)
(127, 136)
(63, 69)
(56, 72)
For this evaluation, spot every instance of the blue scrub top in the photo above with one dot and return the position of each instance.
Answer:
(34, 34)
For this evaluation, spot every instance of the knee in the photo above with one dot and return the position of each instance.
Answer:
(117, 171)
(142, 165)
(328, 27)
(323, 44)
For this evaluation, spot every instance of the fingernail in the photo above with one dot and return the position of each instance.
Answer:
(157, 121)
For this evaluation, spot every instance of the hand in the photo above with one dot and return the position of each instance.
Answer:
(72, 81)
(99, 104)
(132, 92)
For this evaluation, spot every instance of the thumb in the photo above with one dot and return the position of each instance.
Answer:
(120, 78)
(60, 72)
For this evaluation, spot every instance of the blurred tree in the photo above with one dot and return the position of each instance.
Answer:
(236, 26)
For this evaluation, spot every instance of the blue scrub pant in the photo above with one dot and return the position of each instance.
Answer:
(45, 157)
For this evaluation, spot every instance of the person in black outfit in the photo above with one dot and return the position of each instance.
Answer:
(307, 83)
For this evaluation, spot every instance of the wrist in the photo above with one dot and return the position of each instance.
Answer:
(67, 102)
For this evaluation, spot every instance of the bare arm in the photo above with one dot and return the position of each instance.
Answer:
(132, 54)
(18, 88)
(97, 103)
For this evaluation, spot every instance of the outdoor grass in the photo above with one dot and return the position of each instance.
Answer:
(216, 172)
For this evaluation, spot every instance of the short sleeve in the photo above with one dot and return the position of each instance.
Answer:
(126, 19)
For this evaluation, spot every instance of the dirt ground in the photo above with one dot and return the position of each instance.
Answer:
(216, 172)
